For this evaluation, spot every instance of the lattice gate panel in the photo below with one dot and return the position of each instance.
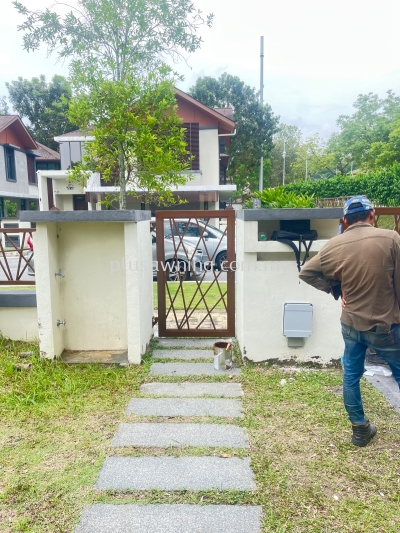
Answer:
(196, 273)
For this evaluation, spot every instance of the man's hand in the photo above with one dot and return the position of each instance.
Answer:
(343, 300)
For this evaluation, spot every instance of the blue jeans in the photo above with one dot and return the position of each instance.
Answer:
(385, 340)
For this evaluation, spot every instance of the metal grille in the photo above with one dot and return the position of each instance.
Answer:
(388, 211)
(196, 273)
(16, 257)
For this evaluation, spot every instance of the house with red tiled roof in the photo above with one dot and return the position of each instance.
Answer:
(20, 158)
(208, 133)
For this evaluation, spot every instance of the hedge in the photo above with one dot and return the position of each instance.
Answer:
(381, 187)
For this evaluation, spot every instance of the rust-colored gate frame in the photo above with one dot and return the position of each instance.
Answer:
(23, 262)
(229, 215)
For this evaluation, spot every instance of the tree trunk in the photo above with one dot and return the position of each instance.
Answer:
(122, 182)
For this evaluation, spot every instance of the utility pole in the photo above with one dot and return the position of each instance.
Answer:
(284, 161)
(261, 182)
(306, 165)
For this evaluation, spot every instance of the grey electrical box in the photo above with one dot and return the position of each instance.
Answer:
(297, 320)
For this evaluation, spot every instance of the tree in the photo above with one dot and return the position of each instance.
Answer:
(114, 37)
(367, 133)
(288, 139)
(4, 109)
(256, 125)
(44, 105)
(313, 156)
(122, 41)
(138, 136)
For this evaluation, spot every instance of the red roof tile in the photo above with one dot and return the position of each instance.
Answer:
(47, 154)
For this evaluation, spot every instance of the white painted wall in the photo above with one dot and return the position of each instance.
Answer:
(19, 323)
(94, 305)
(106, 305)
(263, 286)
(209, 157)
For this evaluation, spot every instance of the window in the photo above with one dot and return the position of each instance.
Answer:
(192, 142)
(30, 161)
(23, 204)
(14, 238)
(47, 165)
(10, 164)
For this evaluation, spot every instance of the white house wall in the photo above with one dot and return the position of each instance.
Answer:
(2, 167)
(21, 186)
(209, 156)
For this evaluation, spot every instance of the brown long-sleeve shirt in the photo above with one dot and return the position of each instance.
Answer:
(366, 260)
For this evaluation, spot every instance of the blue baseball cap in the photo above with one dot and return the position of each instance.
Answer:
(365, 205)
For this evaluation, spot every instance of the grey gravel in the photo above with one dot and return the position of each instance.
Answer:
(175, 473)
(107, 518)
(189, 369)
(192, 389)
(188, 343)
(388, 387)
(180, 435)
(183, 354)
(185, 407)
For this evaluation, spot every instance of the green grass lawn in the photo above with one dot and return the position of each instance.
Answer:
(190, 295)
(386, 222)
(57, 422)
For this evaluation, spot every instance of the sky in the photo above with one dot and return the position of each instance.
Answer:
(319, 55)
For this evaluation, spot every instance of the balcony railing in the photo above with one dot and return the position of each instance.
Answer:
(16, 257)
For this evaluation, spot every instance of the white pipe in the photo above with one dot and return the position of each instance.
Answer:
(227, 134)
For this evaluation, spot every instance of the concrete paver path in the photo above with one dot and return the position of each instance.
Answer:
(185, 407)
(183, 354)
(189, 369)
(158, 435)
(191, 390)
(106, 518)
(120, 473)
(175, 473)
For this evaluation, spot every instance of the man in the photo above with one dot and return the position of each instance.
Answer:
(362, 265)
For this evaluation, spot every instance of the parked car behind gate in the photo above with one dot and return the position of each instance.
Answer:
(214, 244)
(181, 260)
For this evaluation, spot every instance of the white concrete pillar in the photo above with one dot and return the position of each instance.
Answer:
(139, 288)
(49, 308)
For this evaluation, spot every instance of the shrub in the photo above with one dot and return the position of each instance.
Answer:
(382, 187)
(278, 197)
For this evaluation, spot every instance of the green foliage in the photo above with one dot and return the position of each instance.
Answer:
(138, 136)
(382, 187)
(11, 208)
(256, 125)
(279, 197)
(44, 105)
(4, 109)
(370, 137)
(288, 139)
(114, 37)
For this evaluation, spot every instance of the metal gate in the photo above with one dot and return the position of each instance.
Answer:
(195, 273)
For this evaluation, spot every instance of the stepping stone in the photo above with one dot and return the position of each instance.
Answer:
(185, 407)
(175, 473)
(187, 343)
(190, 369)
(183, 354)
(180, 435)
(192, 389)
(167, 518)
